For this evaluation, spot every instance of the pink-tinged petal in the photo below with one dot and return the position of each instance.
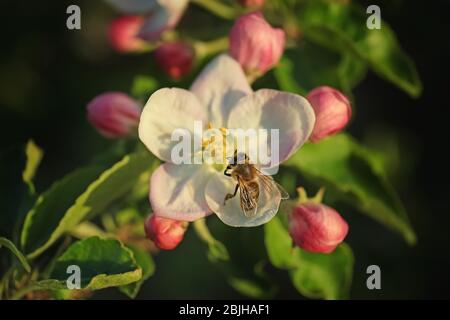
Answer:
(219, 86)
(166, 111)
(167, 234)
(122, 34)
(316, 227)
(133, 6)
(114, 114)
(164, 17)
(178, 191)
(333, 111)
(270, 109)
(255, 44)
(231, 213)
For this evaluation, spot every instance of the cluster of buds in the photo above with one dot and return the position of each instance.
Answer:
(143, 29)
(316, 227)
(253, 42)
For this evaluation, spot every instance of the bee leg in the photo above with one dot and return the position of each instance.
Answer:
(229, 195)
(226, 172)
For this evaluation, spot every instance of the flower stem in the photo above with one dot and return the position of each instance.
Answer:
(203, 49)
(23, 291)
(217, 7)
(203, 232)
(216, 250)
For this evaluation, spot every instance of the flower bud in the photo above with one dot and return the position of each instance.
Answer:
(332, 109)
(251, 3)
(113, 114)
(316, 227)
(123, 34)
(255, 44)
(174, 58)
(165, 233)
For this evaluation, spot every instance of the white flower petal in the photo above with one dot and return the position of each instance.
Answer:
(231, 213)
(164, 17)
(219, 86)
(269, 109)
(178, 191)
(165, 111)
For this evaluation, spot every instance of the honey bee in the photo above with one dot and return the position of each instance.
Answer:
(250, 180)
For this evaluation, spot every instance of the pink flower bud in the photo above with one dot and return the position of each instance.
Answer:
(316, 227)
(332, 109)
(255, 44)
(123, 34)
(174, 58)
(251, 3)
(165, 233)
(113, 114)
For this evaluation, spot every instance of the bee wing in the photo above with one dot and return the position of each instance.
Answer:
(271, 185)
(248, 203)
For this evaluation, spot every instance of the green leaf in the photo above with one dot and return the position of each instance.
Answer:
(314, 275)
(34, 157)
(342, 27)
(309, 65)
(256, 286)
(324, 275)
(14, 191)
(282, 254)
(103, 263)
(145, 262)
(143, 86)
(253, 283)
(216, 249)
(72, 200)
(355, 175)
(8, 244)
(50, 207)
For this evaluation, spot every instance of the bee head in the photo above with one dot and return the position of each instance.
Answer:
(238, 158)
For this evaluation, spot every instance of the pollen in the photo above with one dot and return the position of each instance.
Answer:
(216, 144)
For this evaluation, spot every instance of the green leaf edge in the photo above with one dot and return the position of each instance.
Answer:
(65, 225)
(96, 282)
(11, 246)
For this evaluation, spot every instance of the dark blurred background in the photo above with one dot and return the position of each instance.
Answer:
(48, 74)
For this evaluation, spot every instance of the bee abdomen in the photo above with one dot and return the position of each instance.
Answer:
(253, 191)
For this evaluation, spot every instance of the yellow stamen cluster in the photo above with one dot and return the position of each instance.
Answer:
(206, 142)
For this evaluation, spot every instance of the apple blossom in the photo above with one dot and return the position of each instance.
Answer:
(255, 44)
(161, 15)
(221, 98)
(123, 33)
(332, 109)
(113, 114)
(316, 227)
(165, 233)
(174, 58)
